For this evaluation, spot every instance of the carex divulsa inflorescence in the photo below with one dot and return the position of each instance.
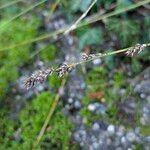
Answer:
(41, 75)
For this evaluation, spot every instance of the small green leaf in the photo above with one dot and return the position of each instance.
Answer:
(81, 5)
(93, 36)
(123, 4)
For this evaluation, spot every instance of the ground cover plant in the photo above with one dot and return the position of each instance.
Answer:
(74, 74)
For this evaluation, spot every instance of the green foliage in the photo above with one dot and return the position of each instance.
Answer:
(97, 78)
(145, 130)
(33, 117)
(91, 36)
(90, 117)
(54, 81)
(123, 4)
(146, 37)
(81, 5)
(125, 30)
(48, 53)
(97, 81)
(13, 9)
(105, 3)
(6, 129)
(61, 131)
(58, 132)
(146, 29)
(119, 78)
(136, 66)
(125, 27)
(139, 146)
(110, 61)
(8, 74)
(113, 113)
(13, 59)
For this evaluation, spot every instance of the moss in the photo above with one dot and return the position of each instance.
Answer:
(54, 81)
(57, 135)
(138, 146)
(97, 78)
(119, 79)
(125, 29)
(6, 129)
(49, 53)
(90, 117)
(136, 66)
(32, 118)
(9, 12)
(145, 130)
(13, 59)
(8, 74)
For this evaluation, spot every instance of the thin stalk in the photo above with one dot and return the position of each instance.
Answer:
(80, 18)
(100, 55)
(22, 13)
(83, 23)
(45, 36)
(49, 116)
(114, 13)
(53, 8)
(9, 4)
(41, 76)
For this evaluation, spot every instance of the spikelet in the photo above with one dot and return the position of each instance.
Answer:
(137, 49)
(38, 77)
(63, 70)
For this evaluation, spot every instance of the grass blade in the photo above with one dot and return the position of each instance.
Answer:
(83, 23)
(22, 13)
(10, 4)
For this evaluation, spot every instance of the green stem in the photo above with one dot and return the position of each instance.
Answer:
(9, 4)
(114, 13)
(22, 13)
(83, 23)
(100, 55)
(49, 116)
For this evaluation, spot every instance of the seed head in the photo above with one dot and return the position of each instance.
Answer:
(85, 56)
(38, 77)
(138, 48)
(64, 69)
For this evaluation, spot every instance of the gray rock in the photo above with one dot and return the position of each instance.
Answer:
(119, 148)
(100, 108)
(97, 62)
(95, 126)
(96, 146)
(131, 136)
(123, 140)
(77, 104)
(111, 129)
(108, 141)
(91, 107)
(120, 132)
(70, 100)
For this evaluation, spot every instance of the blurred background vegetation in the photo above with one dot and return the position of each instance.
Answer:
(22, 113)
